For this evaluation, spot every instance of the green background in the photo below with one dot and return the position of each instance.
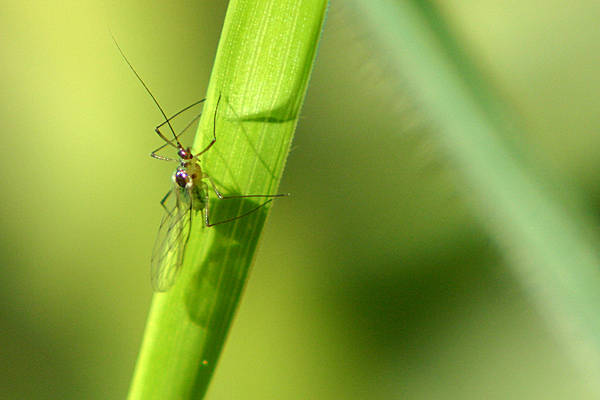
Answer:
(375, 280)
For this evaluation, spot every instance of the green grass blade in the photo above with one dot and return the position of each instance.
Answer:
(262, 69)
(540, 233)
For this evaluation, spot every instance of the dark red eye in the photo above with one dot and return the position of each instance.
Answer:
(181, 178)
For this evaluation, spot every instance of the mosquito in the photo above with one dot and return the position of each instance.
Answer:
(189, 194)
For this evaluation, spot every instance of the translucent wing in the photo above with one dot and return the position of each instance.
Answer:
(173, 235)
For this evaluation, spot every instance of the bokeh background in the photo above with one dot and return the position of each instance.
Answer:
(375, 280)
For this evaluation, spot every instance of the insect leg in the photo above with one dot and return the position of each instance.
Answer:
(221, 197)
(214, 129)
(182, 111)
(175, 141)
(159, 157)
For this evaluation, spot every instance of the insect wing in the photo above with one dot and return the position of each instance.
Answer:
(173, 234)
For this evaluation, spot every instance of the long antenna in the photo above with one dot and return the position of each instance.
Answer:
(149, 92)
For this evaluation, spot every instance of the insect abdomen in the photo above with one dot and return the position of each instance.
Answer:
(198, 198)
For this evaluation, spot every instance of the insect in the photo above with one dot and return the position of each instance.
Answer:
(189, 194)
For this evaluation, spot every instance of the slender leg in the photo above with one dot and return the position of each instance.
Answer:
(182, 111)
(208, 224)
(214, 129)
(175, 141)
(159, 157)
(221, 197)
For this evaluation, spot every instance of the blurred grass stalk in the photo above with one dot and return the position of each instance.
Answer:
(545, 239)
(263, 64)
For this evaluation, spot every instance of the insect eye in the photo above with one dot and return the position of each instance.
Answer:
(181, 178)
